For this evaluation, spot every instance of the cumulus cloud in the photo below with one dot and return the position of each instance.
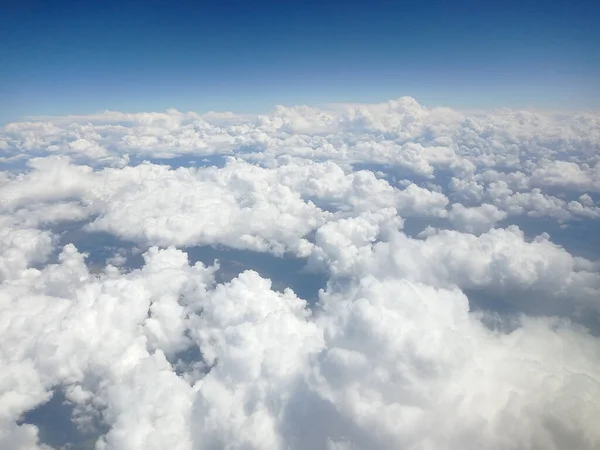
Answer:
(406, 364)
(476, 219)
(448, 318)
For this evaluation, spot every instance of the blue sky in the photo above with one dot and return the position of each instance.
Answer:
(79, 57)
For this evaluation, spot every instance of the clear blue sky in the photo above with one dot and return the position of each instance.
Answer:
(67, 56)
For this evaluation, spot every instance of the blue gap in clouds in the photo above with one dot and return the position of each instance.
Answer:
(56, 428)
(501, 310)
(578, 237)
(391, 173)
(16, 164)
(415, 225)
(191, 160)
(285, 271)
(99, 246)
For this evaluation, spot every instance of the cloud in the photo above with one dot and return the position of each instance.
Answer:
(477, 219)
(407, 363)
(451, 317)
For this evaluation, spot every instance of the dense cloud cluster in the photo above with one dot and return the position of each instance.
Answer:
(461, 308)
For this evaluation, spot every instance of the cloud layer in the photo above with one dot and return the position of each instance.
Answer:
(462, 307)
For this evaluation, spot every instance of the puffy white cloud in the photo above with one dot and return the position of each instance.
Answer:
(462, 332)
(476, 219)
(64, 326)
(153, 204)
(407, 364)
(21, 248)
(567, 174)
(536, 276)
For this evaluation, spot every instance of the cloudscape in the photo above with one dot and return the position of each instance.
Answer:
(348, 272)
(448, 265)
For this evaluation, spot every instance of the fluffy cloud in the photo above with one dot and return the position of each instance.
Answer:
(476, 219)
(445, 322)
(407, 365)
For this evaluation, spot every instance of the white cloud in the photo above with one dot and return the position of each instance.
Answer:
(477, 219)
(474, 334)
(20, 248)
(538, 276)
(409, 365)
(567, 174)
